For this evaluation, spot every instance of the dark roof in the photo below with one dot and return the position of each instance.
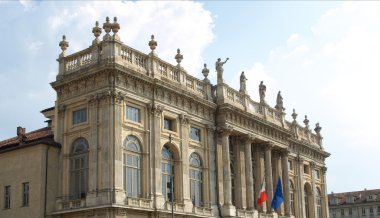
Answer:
(41, 136)
(48, 109)
(358, 196)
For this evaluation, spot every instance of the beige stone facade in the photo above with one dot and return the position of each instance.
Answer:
(129, 121)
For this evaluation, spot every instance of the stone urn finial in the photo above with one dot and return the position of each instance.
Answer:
(178, 57)
(205, 71)
(115, 26)
(317, 129)
(294, 115)
(306, 122)
(107, 26)
(152, 43)
(96, 30)
(63, 44)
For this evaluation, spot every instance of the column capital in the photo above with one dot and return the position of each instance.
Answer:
(312, 165)
(210, 128)
(247, 137)
(185, 119)
(285, 152)
(155, 109)
(324, 170)
(225, 130)
(269, 145)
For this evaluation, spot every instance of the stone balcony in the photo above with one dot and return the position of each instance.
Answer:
(65, 203)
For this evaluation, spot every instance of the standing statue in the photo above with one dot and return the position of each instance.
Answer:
(262, 90)
(279, 103)
(243, 85)
(219, 69)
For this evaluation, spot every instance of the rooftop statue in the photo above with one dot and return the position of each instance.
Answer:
(279, 102)
(262, 90)
(219, 69)
(243, 83)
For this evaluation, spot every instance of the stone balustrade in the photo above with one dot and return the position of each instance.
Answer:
(139, 202)
(66, 204)
(202, 211)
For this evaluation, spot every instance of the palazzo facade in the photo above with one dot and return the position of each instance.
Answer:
(128, 123)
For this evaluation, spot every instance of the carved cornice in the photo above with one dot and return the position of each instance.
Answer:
(210, 128)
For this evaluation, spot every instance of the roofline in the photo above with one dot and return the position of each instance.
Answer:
(49, 141)
(48, 109)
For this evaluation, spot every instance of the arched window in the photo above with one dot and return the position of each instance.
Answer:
(132, 167)
(167, 167)
(307, 203)
(319, 202)
(196, 179)
(79, 169)
(292, 205)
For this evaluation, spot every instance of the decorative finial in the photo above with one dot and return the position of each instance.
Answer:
(115, 26)
(317, 129)
(63, 44)
(178, 57)
(294, 115)
(306, 122)
(96, 30)
(152, 43)
(205, 71)
(107, 26)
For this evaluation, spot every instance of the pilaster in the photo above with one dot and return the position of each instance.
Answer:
(185, 194)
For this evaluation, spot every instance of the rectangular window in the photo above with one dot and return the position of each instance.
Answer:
(363, 211)
(195, 134)
(306, 169)
(342, 212)
(371, 210)
(168, 124)
(378, 210)
(317, 174)
(350, 211)
(133, 114)
(80, 116)
(7, 197)
(25, 194)
(334, 215)
(290, 165)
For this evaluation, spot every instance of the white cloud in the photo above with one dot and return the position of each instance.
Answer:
(334, 72)
(174, 24)
(28, 4)
(34, 46)
(293, 38)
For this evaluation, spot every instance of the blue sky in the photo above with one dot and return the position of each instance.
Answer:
(323, 56)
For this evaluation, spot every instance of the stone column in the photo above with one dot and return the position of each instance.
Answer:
(118, 151)
(268, 175)
(285, 178)
(240, 182)
(248, 172)
(258, 173)
(228, 209)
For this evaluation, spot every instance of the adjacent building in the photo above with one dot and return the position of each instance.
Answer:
(357, 204)
(133, 133)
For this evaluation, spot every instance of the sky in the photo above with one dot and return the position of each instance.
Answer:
(324, 56)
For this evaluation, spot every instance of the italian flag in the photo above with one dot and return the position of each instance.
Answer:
(263, 195)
